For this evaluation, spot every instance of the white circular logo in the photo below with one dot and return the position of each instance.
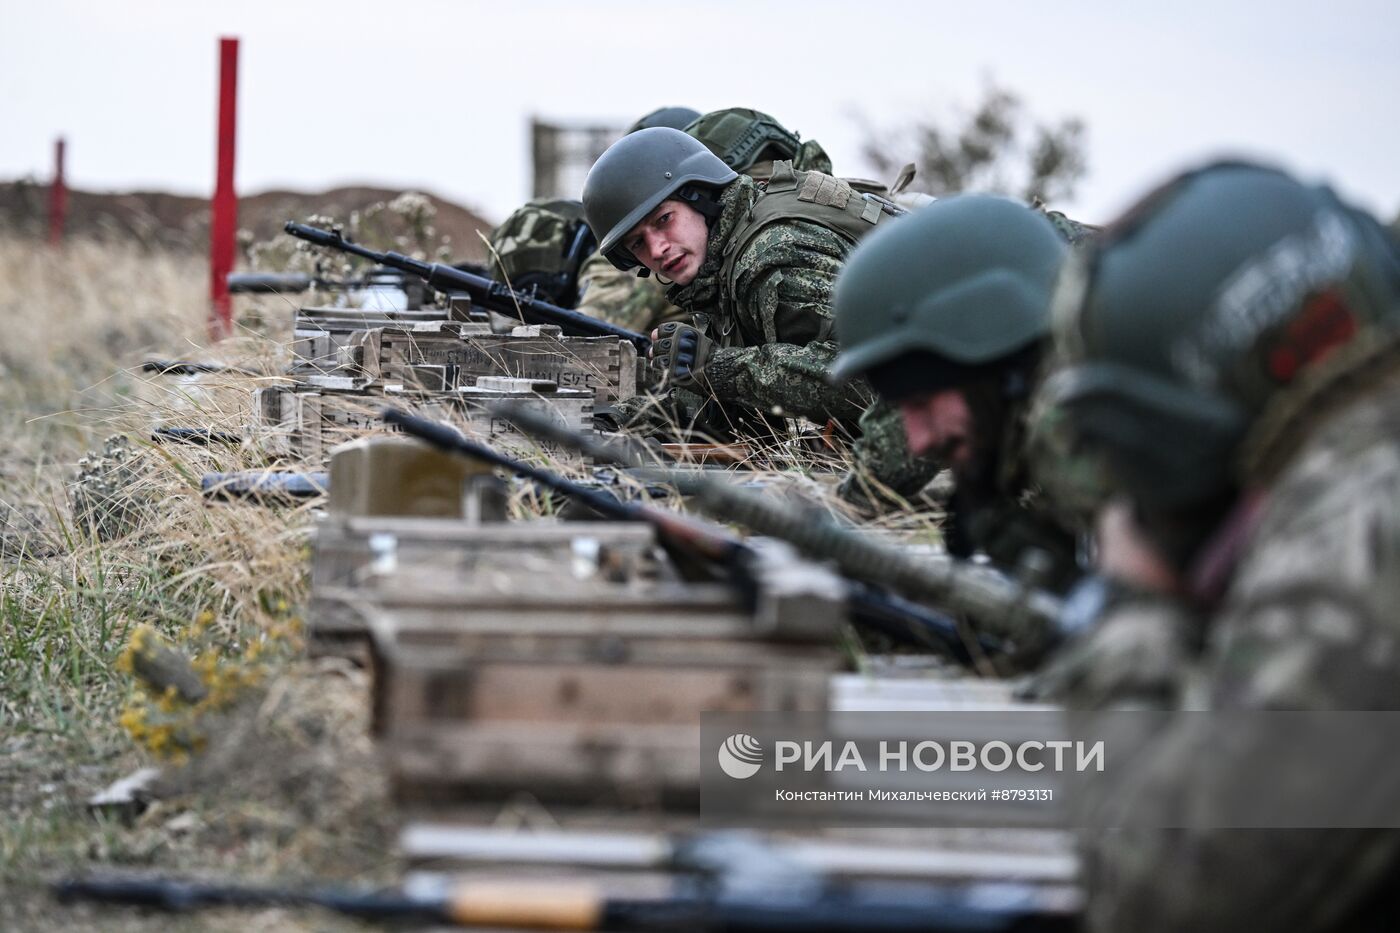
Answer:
(740, 756)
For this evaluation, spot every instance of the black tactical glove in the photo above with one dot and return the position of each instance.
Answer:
(679, 353)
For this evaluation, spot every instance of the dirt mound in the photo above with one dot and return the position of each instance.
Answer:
(171, 221)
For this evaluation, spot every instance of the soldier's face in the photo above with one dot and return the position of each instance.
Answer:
(940, 425)
(670, 242)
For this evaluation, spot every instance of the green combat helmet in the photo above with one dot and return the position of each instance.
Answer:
(541, 246)
(637, 173)
(744, 138)
(677, 118)
(955, 290)
(1204, 314)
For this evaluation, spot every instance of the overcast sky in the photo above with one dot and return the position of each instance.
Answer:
(437, 95)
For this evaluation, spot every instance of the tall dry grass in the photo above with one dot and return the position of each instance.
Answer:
(223, 582)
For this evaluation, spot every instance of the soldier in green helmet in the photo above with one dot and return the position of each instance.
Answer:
(946, 314)
(1233, 344)
(748, 141)
(754, 263)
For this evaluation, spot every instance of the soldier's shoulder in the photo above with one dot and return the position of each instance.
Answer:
(792, 241)
(1328, 527)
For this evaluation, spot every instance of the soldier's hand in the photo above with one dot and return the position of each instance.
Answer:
(679, 353)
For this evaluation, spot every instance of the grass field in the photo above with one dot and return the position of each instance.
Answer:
(282, 785)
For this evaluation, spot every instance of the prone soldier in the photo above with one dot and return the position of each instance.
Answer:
(946, 314)
(1232, 345)
(749, 142)
(755, 265)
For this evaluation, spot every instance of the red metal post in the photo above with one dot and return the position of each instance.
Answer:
(58, 196)
(223, 220)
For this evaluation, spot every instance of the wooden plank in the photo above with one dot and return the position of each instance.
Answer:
(1033, 856)
(452, 563)
(863, 693)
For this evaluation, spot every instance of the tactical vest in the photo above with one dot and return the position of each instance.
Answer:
(810, 197)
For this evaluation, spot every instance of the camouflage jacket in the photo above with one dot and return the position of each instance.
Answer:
(1307, 621)
(624, 298)
(774, 333)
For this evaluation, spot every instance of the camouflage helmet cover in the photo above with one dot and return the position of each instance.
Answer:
(539, 245)
(636, 174)
(966, 280)
(1200, 306)
(741, 137)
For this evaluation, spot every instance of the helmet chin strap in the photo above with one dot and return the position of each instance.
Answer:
(703, 200)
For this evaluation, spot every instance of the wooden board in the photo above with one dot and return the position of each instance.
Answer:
(352, 556)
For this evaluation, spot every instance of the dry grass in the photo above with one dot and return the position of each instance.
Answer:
(286, 786)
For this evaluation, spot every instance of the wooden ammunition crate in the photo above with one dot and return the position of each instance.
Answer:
(308, 419)
(571, 691)
(549, 664)
(604, 366)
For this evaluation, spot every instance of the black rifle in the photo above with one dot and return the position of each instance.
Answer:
(484, 292)
(258, 283)
(896, 618)
(191, 368)
(200, 437)
(817, 906)
(997, 604)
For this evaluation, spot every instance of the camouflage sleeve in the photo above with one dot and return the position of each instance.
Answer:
(1309, 625)
(783, 292)
(610, 294)
(1213, 879)
(883, 471)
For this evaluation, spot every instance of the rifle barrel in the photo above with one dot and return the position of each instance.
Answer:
(486, 292)
(191, 368)
(984, 594)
